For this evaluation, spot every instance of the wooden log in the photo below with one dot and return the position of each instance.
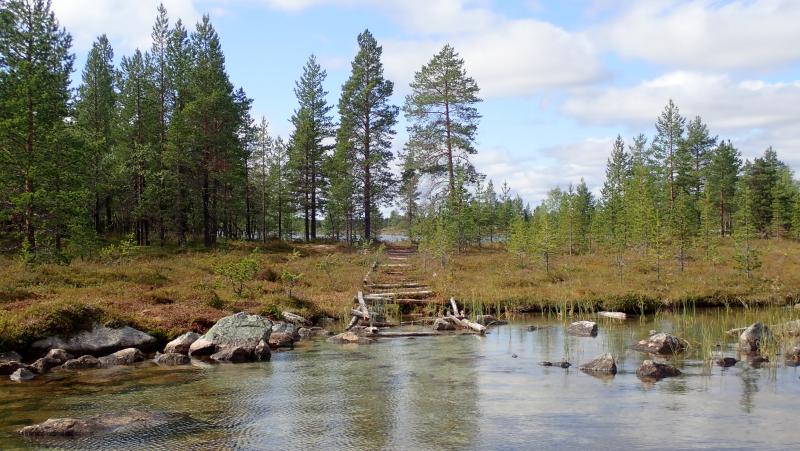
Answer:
(424, 334)
(397, 265)
(387, 286)
(360, 314)
(613, 315)
(467, 324)
(454, 306)
(353, 322)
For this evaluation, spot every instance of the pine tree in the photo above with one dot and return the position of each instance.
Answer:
(409, 187)
(367, 126)
(746, 230)
(520, 239)
(666, 148)
(159, 54)
(95, 114)
(584, 208)
(35, 63)
(613, 205)
(722, 175)
(313, 125)
(444, 120)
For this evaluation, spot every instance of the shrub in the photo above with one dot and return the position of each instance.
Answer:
(238, 273)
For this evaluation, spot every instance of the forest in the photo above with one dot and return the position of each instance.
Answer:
(163, 151)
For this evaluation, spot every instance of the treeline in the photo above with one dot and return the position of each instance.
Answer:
(163, 148)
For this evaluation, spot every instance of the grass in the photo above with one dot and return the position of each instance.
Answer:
(491, 279)
(169, 291)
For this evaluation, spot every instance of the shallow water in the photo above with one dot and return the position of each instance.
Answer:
(460, 392)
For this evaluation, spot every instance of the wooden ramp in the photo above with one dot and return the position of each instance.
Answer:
(393, 282)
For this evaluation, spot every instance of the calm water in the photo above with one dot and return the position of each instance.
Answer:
(460, 392)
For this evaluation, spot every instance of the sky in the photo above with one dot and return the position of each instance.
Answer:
(559, 78)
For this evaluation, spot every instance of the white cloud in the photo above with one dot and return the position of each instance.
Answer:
(706, 34)
(127, 23)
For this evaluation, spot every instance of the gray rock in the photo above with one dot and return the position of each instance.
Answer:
(98, 341)
(443, 324)
(726, 362)
(281, 340)
(8, 367)
(10, 356)
(82, 363)
(202, 347)
(45, 364)
(124, 357)
(233, 354)
(262, 352)
(60, 355)
(172, 359)
(558, 364)
(22, 375)
(660, 343)
(181, 344)
(313, 332)
(365, 331)
(350, 338)
(296, 319)
(602, 364)
(652, 370)
(72, 427)
(532, 328)
(752, 338)
(583, 329)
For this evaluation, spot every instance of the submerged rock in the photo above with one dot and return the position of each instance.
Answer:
(752, 338)
(660, 343)
(82, 363)
(181, 344)
(652, 370)
(443, 324)
(10, 356)
(558, 364)
(313, 332)
(350, 338)
(726, 362)
(604, 364)
(172, 359)
(58, 427)
(124, 357)
(100, 340)
(233, 337)
(22, 375)
(583, 329)
(73, 427)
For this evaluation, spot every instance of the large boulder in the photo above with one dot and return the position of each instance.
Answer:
(124, 357)
(235, 336)
(350, 337)
(603, 364)
(172, 359)
(752, 338)
(583, 329)
(281, 340)
(45, 364)
(99, 341)
(181, 344)
(443, 324)
(652, 370)
(10, 356)
(82, 363)
(660, 343)
(22, 375)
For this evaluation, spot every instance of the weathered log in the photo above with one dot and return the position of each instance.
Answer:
(353, 322)
(425, 334)
(613, 315)
(387, 286)
(454, 306)
(358, 313)
(397, 265)
(467, 324)
(401, 294)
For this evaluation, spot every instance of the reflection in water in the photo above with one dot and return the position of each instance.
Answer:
(431, 393)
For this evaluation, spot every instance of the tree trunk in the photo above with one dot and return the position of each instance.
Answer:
(206, 214)
(450, 168)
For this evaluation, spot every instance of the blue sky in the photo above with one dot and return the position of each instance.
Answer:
(560, 79)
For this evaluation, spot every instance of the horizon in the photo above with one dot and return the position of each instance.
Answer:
(547, 120)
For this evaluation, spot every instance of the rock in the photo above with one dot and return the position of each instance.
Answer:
(172, 359)
(72, 427)
(532, 328)
(22, 375)
(350, 337)
(59, 354)
(82, 363)
(546, 363)
(233, 354)
(726, 362)
(45, 364)
(558, 364)
(564, 364)
(202, 347)
(181, 344)
(262, 352)
(124, 357)
(313, 332)
(613, 315)
(443, 324)
(489, 320)
(365, 331)
(232, 337)
(281, 340)
(756, 360)
(602, 364)
(660, 343)
(653, 370)
(8, 367)
(751, 339)
(583, 329)
(296, 319)
(98, 341)
(10, 356)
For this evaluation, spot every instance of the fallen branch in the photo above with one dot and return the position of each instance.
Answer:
(466, 324)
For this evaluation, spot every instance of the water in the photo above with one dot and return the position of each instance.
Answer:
(461, 392)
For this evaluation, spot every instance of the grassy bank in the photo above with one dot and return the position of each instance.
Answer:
(169, 291)
(492, 279)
